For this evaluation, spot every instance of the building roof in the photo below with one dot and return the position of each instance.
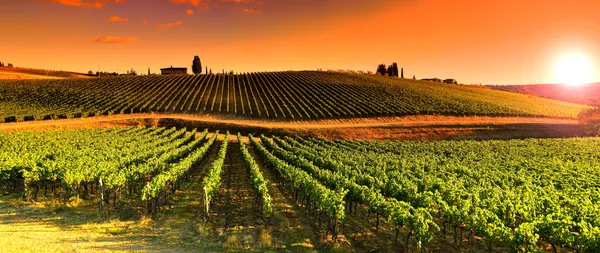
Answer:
(171, 68)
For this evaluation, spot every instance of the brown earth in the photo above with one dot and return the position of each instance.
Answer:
(398, 128)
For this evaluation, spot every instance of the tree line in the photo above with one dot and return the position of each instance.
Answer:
(391, 70)
(5, 65)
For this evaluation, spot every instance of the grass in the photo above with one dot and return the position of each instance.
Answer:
(52, 226)
(77, 226)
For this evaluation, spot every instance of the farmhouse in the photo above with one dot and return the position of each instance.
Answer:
(450, 81)
(437, 80)
(173, 71)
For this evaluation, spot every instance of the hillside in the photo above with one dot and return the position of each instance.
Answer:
(587, 94)
(29, 73)
(281, 96)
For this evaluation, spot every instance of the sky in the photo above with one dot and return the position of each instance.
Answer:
(473, 41)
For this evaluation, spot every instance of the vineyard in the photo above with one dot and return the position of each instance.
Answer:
(283, 96)
(517, 195)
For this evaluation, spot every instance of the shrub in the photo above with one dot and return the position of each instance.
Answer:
(10, 119)
(591, 121)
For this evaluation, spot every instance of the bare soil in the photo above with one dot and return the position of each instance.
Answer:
(291, 228)
(397, 128)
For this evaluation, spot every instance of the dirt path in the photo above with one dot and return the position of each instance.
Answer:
(234, 213)
(291, 228)
(408, 121)
(182, 217)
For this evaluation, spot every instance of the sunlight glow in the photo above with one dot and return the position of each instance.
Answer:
(574, 69)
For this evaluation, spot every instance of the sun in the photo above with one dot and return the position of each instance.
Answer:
(574, 69)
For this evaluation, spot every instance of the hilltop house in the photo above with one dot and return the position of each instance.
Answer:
(173, 71)
(437, 80)
(450, 81)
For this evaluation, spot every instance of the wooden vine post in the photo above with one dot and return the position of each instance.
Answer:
(206, 204)
(101, 194)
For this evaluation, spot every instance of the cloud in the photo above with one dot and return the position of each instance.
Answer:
(207, 4)
(85, 3)
(117, 19)
(203, 4)
(199, 2)
(193, 2)
(189, 12)
(114, 39)
(237, 1)
(169, 25)
(246, 10)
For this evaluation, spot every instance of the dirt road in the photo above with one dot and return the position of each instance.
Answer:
(408, 121)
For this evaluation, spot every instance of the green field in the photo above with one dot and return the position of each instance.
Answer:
(516, 195)
(283, 96)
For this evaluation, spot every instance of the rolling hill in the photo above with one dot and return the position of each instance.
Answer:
(279, 96)
(15, 73)
(586, 94)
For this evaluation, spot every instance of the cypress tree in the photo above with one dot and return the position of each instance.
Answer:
(197, 65)
(381, 69)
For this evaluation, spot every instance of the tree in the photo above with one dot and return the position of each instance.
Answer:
(590, 119)
(10, 65)
(197, 65)
(1, 64)
(211, 71)
(206, 70)
(91, 73)
(390, 70)
(148, 71)
(395, 69)
(401, 72)
(132, 72)
(414, 78)
(381, 69)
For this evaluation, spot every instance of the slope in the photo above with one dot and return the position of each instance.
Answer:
(279, 96)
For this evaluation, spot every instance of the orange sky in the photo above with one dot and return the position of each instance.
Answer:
(474, 41)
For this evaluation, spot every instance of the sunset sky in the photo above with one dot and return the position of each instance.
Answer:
(473, 41)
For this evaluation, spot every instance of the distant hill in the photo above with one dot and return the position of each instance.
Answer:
(281, 96)
(29, 73)
(586, 94)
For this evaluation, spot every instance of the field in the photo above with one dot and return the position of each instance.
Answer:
(243, 192)
(292, 162)
(9, 75)
(28, 73)
(281, 96)
(588, 94)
